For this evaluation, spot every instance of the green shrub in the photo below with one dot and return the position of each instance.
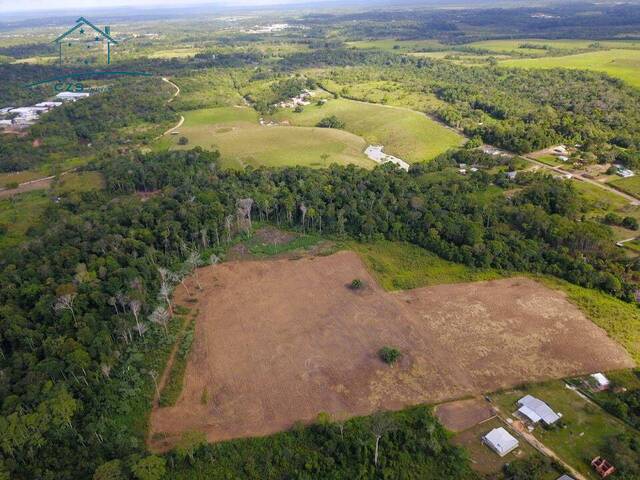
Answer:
(389, 355)
(356, 284)
(331, 122)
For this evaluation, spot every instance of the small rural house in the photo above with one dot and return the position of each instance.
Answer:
(601, 382)
(500, 441)
(535, 410)
(512, 175)
(561, 149)
(565, 477)
(602, 467)
(625, 173)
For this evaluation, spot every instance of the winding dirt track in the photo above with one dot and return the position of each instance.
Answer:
(282, 340)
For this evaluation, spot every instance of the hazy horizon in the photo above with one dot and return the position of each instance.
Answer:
(10, 6)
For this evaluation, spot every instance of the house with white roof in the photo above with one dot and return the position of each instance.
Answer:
(602, 382)
(535, 410)
(500, 441)
(71, 96)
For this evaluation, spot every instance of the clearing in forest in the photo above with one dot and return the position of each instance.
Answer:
(407, 134)
(242, 141)
(279, 341)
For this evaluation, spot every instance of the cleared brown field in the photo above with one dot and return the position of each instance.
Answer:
(463, 414)
(280, 341)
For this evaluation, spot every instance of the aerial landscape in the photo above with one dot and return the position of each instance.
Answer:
(290, 239)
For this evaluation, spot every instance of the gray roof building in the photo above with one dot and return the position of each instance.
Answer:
(540, 410)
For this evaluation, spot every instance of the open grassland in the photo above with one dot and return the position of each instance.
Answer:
(403, 266)
(78, 182)
(243, 141)
(587, 425)
(514, 46)
(409, 135)
(18, 214)
(628, 185)
(179, 52)
(623, 64)
(296, 336)
(400, 46)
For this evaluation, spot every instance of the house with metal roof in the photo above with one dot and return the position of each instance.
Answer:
(500, 441)
(535, 410)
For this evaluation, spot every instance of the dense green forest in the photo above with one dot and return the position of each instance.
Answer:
(77, 348)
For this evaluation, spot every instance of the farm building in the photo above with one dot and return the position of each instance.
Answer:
(512, 175)
(563, 158)
(48, 105)
(561, 149)
(565, 477)
(71, 96)
(625, 173)
(500, 441)
(601, 382)
(535, 410)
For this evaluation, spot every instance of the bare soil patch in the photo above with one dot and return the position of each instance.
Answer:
(463, 414)
(274, 236)
(280, 341)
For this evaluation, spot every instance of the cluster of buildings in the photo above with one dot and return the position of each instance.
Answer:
(22, 117)
(301, 100)
(533, 411)
(562, 153)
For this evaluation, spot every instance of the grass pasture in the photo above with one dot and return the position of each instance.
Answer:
(243, 141)
(399, 46)
(403, 266)
(406, 134)
(629, 185)
(511, 46)
(623, 64)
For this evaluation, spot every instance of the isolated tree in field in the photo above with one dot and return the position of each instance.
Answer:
(389, 355)
(381, 423)
(160, 316)
(183, 140)
(65, 302)
(356, 284)
(150, 468)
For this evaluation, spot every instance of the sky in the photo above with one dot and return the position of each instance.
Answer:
(34, 5)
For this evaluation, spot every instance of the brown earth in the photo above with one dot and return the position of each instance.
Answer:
(463, 414)
(280, 341)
